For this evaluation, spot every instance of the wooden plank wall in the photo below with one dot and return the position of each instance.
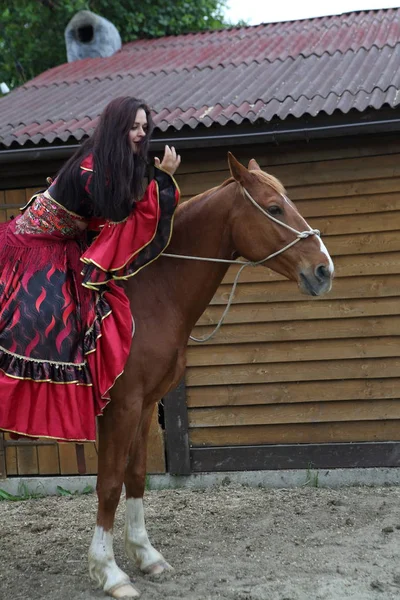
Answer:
(45, 457)
(286, 369)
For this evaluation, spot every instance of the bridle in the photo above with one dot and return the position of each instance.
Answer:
(300, 235)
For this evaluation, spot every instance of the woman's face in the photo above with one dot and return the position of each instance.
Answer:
(139, 130)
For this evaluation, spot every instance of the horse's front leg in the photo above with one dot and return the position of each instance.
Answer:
(117, 430)
(137, 543)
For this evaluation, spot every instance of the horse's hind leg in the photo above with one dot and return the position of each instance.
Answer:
(137, 543)
(117, 429)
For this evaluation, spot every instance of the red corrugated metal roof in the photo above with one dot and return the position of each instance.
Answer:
(341, 62)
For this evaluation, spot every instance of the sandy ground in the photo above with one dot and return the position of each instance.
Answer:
(230, 542)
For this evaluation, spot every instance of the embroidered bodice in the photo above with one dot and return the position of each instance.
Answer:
(43, 215)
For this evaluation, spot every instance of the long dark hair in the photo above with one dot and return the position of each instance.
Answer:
(118, 179)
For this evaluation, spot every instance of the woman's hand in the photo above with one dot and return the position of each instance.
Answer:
(170, 161)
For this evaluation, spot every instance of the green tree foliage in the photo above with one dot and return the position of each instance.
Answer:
(32, 31)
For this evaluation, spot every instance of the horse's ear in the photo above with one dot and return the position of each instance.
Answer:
(253, 165)
(238, 171)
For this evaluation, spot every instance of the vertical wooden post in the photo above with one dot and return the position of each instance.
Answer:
(177, 431)
(155, 446)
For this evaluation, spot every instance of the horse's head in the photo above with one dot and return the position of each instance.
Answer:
(260, 233)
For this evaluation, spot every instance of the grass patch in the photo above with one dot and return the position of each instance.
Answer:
(24, 493)
(62, 492)
(312, 478)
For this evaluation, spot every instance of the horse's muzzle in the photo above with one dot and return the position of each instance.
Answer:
(316, 282)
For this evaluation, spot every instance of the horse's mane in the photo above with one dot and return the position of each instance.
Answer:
(261, 175)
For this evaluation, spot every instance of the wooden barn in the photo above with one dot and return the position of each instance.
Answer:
(288, 382)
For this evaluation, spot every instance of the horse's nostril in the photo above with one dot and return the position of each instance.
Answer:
(322, 273)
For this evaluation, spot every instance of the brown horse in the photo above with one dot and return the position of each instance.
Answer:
(248, 215)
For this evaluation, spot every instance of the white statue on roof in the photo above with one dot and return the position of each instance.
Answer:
(88, 35)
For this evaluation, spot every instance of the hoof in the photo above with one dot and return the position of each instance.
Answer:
(157, 568)
(123, 590)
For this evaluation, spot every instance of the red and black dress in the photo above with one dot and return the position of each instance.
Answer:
(65, 324)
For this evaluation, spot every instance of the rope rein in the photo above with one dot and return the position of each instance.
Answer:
(300, 235)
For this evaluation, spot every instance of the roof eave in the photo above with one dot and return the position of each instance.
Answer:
(275, 132)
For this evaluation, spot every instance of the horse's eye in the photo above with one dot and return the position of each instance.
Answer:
(275, 210)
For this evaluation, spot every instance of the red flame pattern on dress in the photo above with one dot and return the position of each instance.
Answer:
(63, 336)
(33, 344)
(51, 272)
(15, 319)
(40, 299)
(50, 327)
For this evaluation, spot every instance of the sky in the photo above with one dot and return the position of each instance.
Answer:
(266, 11)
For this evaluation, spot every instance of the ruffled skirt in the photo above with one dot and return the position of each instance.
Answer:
(62, 346)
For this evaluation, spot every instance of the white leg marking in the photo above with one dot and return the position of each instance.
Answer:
(137, 543)
(103, 569)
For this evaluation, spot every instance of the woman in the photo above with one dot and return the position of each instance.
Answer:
(65, 323)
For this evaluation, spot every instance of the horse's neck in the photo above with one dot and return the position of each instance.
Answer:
(202, 228)
(202, 225)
